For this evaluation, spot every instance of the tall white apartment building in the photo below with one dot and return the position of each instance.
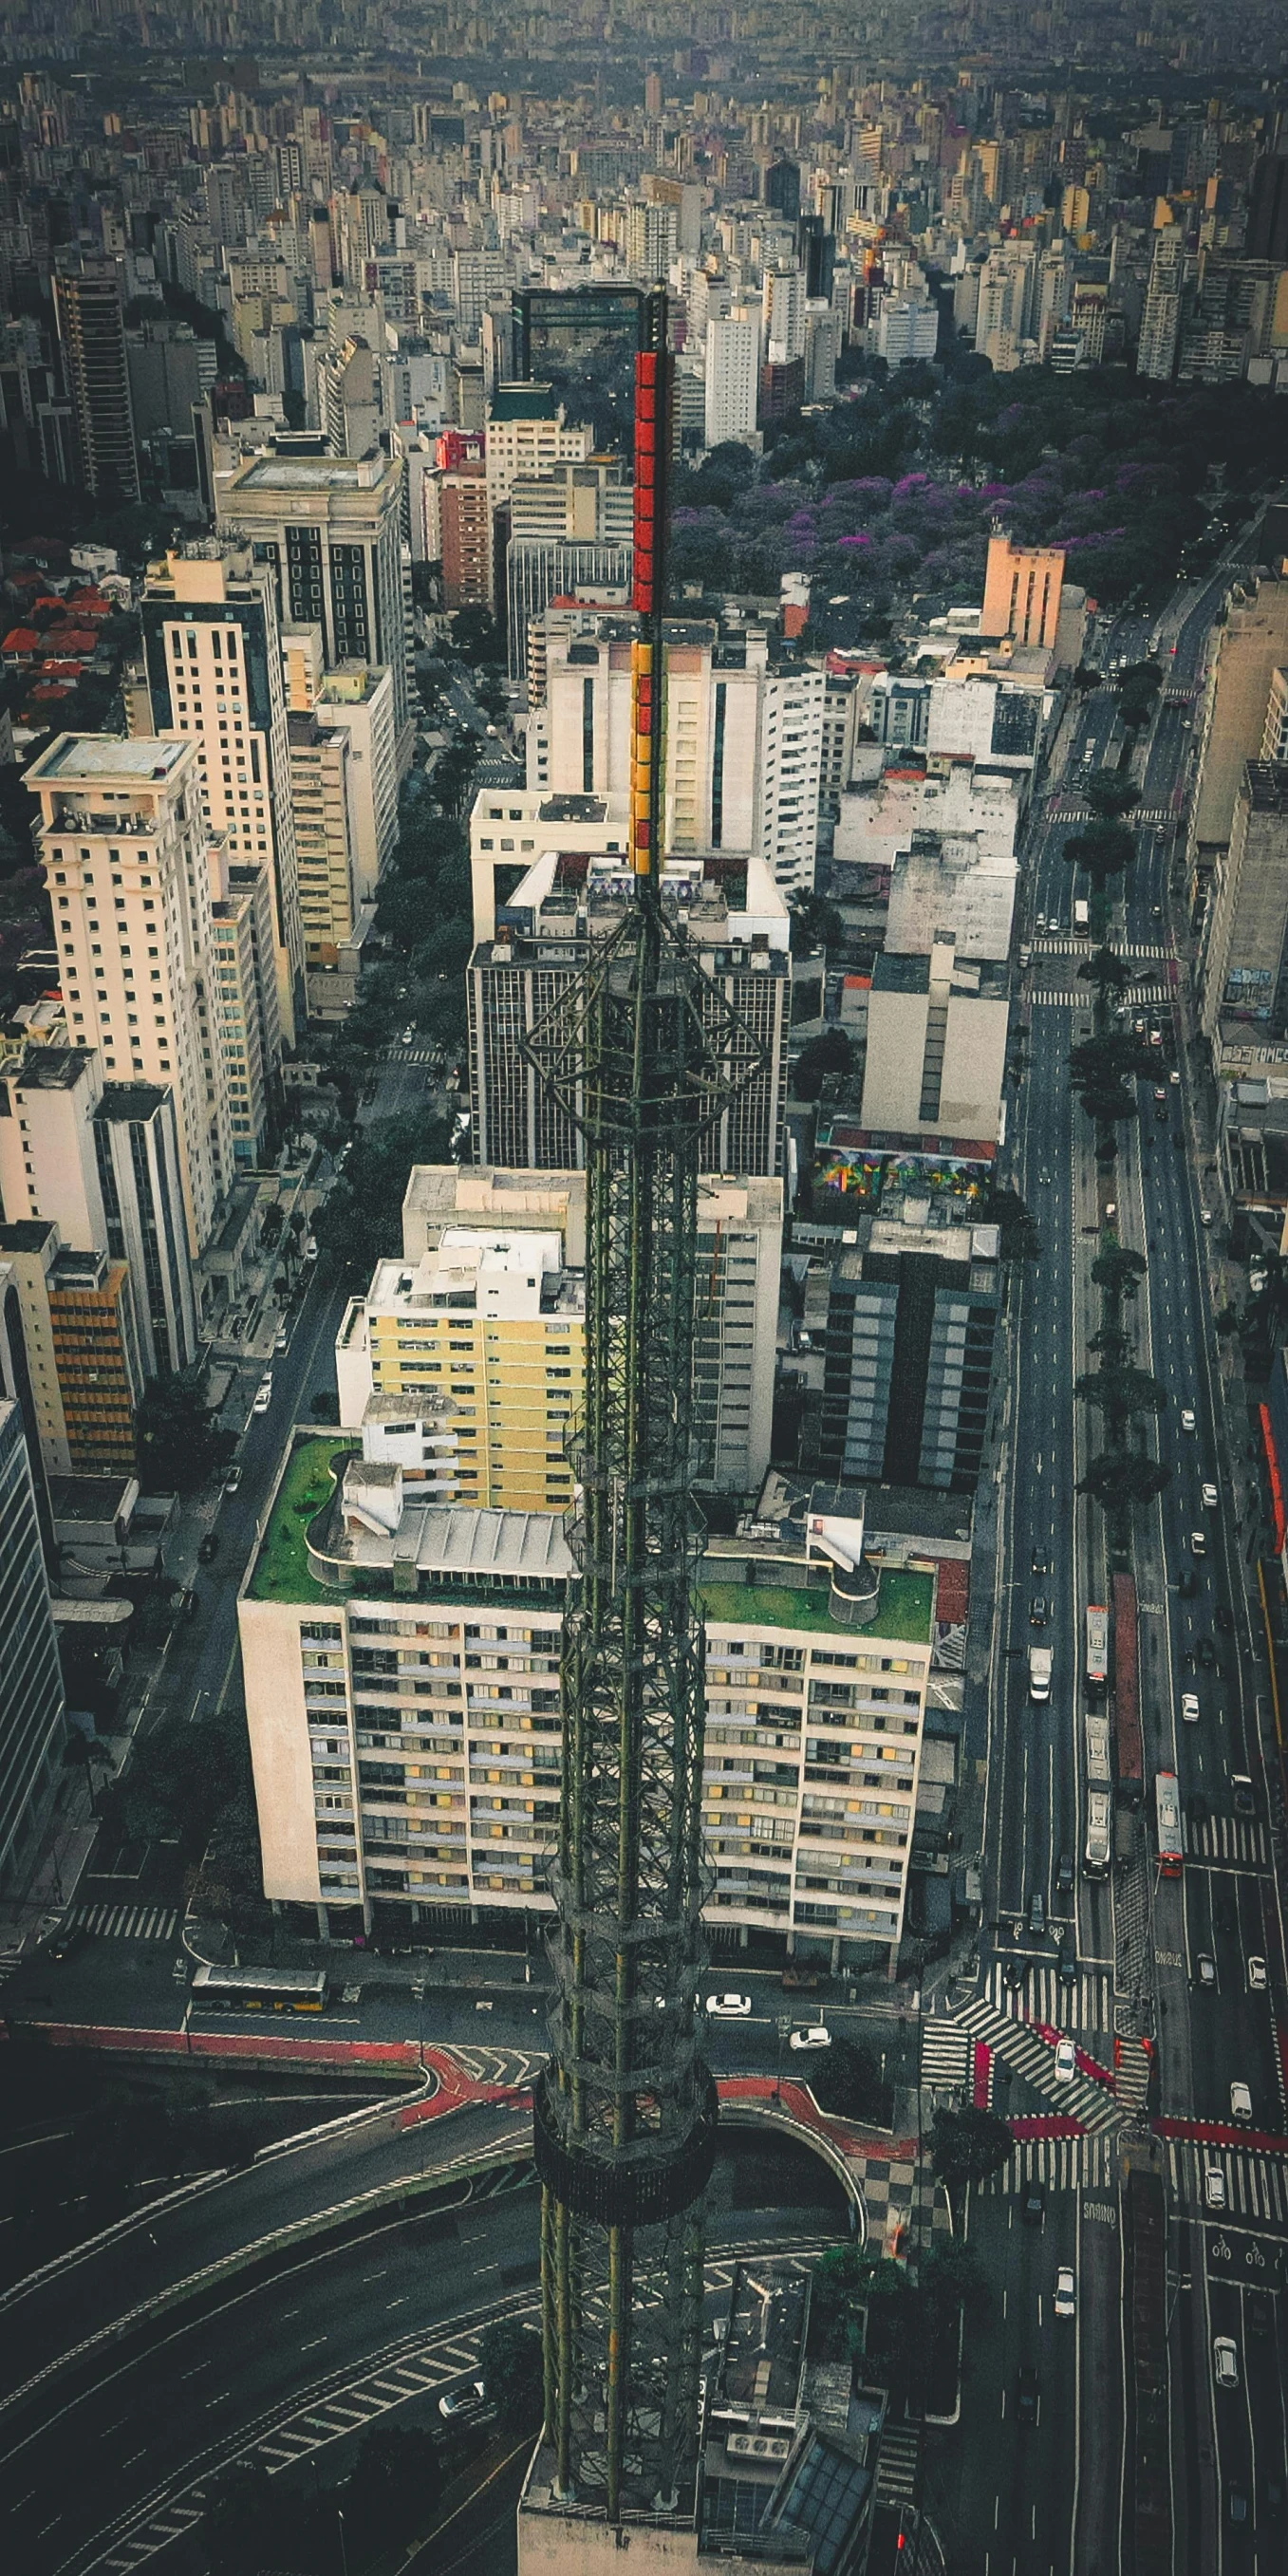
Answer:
(330, 528)
(1161, 320)
(784, 314)
(403, 1707)
(123, 844)
(733, 376)
(744, 736)
(528, 433)
(214, 665)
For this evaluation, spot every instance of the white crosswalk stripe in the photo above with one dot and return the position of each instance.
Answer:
(1232, 1839)
(1063, 2164)
(1256, 2187)
(897, 2464)
(1146, 993)
(1044, 1996)
(1081, 948)
(128, 1922)
(1033, 2057)
(945, 2054)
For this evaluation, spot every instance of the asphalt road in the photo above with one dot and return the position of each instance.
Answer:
(1033, 2495)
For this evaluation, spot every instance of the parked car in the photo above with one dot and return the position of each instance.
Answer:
(263, 1393)
(1065, 2302)
(1205, 1216)
(232, 1477)
(729, 2007)
(282, 1340)
(209, 1548)
(1225, 2361)
(815, 2037)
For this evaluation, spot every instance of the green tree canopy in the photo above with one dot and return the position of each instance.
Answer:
(361, 1219)
(180, 1445)
(510, 2368)
(1119, 1479)
(1119, 1270)
(1121, 1392)
(1109, 795)
(831, 1052)
(967, 2144)
(1103, 850)
(952, 2278)
(815, 923)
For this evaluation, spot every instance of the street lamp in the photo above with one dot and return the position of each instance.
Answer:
(344, 2554)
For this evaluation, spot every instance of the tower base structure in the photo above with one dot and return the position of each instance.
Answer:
(559, 2540)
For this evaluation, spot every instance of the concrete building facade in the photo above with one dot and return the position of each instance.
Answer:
(34, 1730)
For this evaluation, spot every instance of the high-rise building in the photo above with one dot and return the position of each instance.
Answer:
(545, 936)
(123, 844)
(1022, 587)
(319, 756)
(464, 525)
(936, 1050)
(784, 314)
(732, 377)
(487, 1333)
(331, 529)
(1230, 727)
(99, 1358)
(1245, 951)
(403, 1709)
(1161, 319)
(528, 433)
(744, 735)
(28, 1363)
(247, 1028)
(214, 665)
(89, 313)
(1268, 208)
(31, 1742)
(911, 1321)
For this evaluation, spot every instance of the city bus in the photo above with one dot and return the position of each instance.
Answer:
(258, 1990)
(1100, 1770)
(1097, 1645)
(1167, 1815)
(1095, 1857)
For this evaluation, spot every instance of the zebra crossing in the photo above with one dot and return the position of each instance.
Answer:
(898, 2462)
(158, 2534)
(1062, 2164)
(438, 2366)
(1256, 2187)
(1022, 2048)
(1233, 1839)
(10, 1961)
(1080, 948)
(1149, 994)
(1087, 2004)
(945, 2054)
(127, 1922)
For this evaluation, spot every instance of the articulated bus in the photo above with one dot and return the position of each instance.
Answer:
(1167, 1813)
(258, 1990)
(1095, 1857)
(1097, 1645)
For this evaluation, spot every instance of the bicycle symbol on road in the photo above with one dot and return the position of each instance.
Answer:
(1255, 2256)
(1221, 2252)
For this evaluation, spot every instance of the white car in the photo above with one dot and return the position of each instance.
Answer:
(1225, 2361)
(1188, 1422)
(1198, 1542)
(283, 1340)
(462, 2401)
(1209, 1495)
(816, 2037)
(1066, 2060)
(1189, 1708)
(1257, 1976)
(1214, 2187)
(729, 2007)
(1065, 2301)
(1174, 1076)
(407, 1036)
(263, 1394)
(1241, 2105)
(1205, 1216)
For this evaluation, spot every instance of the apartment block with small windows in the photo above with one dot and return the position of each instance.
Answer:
(320, 793)
(469, 1368)
(402, 1698)
(35, 1723)
(98, 1358)
(241, 939)
(127, 863)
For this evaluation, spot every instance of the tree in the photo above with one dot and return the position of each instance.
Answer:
(395, 2483)
(1118, 1270)
(1021, 1240)
(1105, 969)
(831, 1052)
(1121, 1478)
(179, 1443)
(510, 2368)
(846, 2080)
(952, 2279)
(1103, 849)
(815, 924)
(361, 1218)
(1121, 1393)
(967, 2144)
(476, 637)
(1108, 795)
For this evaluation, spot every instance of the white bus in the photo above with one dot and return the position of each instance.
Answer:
(1095, 1858)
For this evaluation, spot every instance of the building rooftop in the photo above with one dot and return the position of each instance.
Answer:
(26, 1234)
(95, 757)
(131, 1102)
(273, 473)
(53, 1068)
(905, 1601)
(523, 402)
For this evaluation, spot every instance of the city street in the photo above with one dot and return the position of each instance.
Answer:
(1137, 1954)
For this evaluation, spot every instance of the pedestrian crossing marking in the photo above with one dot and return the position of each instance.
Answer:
(1149, 994)
(1229, 1838)
(1045, 1996)
(1062, 2164)
(945, 2054)
(1083, 948)
(127, 1922)
(1256, 2186)
(1022, 2047)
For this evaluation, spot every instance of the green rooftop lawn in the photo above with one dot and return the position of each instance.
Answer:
(903, 1612)
(282, 1566)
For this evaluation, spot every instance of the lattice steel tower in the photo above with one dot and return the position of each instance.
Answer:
(625, 2116)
